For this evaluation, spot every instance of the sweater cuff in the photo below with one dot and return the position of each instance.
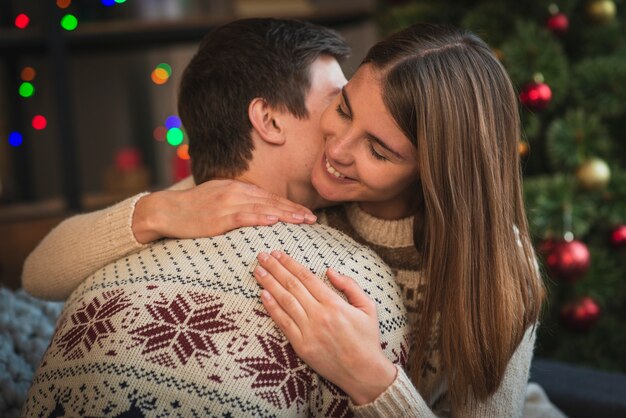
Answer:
(399, 399)
(117, 226)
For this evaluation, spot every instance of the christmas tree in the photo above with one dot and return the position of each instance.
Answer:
(567, 59)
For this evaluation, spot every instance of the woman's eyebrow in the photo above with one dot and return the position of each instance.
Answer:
(372, 137)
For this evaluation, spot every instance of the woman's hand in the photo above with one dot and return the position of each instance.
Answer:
(339, 340)
(211, 208)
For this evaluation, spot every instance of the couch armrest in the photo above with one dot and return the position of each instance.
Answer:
(580, 391)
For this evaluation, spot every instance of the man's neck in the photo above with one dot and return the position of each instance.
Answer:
(277, 183)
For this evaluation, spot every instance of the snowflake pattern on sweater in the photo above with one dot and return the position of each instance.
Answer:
(178, 330)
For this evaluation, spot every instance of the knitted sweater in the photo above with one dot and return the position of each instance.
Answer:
(178, 329)
(392, 240)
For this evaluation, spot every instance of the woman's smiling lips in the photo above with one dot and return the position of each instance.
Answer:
(333, 173)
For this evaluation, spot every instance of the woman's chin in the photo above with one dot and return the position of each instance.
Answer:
(326, 191)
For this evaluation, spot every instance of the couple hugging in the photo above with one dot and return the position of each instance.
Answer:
(225, 295)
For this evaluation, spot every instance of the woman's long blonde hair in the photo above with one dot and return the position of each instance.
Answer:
(454, 100)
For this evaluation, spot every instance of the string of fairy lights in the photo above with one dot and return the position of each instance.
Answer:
(171, 132)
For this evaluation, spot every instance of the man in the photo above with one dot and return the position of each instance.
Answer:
(177, 329)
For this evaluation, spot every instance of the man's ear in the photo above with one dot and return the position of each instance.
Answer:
(266, 121)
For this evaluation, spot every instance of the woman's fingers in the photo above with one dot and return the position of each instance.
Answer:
(313, 286)
(355, 295)
(261, 200)
(296, 279)
(268, 199)
(289, 304)
(281, 318)
(266, 210)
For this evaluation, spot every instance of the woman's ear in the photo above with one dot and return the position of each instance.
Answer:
(266, 121)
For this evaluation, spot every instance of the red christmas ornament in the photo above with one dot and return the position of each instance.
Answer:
(618, 236)
(558, 23)
(568, 261)
(536, 96)
(581, 314)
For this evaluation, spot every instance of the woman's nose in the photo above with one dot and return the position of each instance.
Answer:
(340, 149)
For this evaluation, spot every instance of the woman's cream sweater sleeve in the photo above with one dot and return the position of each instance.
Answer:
(80, 245)
(77, 247)
(401, 399)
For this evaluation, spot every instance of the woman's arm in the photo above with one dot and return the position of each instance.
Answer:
(507, 401)
(80, 245)
(339, 340)
(77, 247)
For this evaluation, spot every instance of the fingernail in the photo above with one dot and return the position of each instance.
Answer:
(272, 218)
(265, 295)
(276, 254)
(263, 257)
(310, 217)
(260, 271)
(298, 216)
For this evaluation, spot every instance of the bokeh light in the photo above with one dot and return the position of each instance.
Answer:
(172, 122)
(128, 159)
(28, 74)
(69, 22)
(120, 1)
(159, 76)
(39, 122)
(21, 21)
(27, 89)
(175, 137)
(165, 66)
(160, 133)
(183, 152)
(161, 73)
(63, 4)
(15, 139)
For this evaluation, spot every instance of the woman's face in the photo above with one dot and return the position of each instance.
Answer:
(366, 157)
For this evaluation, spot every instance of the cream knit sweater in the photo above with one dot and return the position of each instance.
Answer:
(109, 235)
(177, 329)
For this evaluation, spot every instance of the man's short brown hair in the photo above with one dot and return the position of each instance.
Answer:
(235, 63)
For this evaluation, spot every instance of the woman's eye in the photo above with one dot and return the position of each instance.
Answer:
(341, 113)
(375, 154)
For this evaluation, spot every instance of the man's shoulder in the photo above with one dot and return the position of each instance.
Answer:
(316, 246)
(233, 255)
(316, 238)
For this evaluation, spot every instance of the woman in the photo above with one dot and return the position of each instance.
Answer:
(425, 138)
(434, 102)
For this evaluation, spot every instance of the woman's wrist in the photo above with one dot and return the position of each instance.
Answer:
(380, 376)
(145, 224)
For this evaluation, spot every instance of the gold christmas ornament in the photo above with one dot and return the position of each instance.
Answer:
(601, 11)
(523, 148)
(593, 174)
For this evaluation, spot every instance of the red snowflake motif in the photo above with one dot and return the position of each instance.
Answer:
(182, 329)
(339, 406)
(281, 371)
(402, 355)
(91, 323)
